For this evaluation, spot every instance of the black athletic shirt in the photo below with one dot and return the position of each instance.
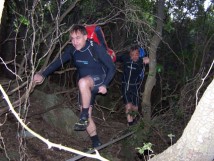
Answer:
(131, 70)
(85, 62)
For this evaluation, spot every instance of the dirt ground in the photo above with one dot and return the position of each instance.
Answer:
(13, 147)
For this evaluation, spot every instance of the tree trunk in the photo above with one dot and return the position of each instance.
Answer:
(1, 8)
(151, 80)
(197, 140)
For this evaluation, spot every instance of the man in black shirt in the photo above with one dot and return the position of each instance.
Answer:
(133, 72)
(95, 75)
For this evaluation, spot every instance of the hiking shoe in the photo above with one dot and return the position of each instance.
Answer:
(135, 121)
(95, 145)
(81, 125)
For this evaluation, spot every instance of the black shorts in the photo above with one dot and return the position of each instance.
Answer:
(130, 93)
(98, 81)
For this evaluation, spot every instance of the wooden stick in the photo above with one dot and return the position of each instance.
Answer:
(102, 146)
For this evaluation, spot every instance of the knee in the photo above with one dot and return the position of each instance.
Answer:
(83, 83)
(128, 107)
(135, 108)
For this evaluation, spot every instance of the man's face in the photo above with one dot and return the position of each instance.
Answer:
(134, 55)
(78, 40)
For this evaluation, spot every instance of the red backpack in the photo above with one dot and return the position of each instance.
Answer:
(96, 34)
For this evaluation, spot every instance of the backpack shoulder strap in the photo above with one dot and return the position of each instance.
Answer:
(93, 52)
(101, 36)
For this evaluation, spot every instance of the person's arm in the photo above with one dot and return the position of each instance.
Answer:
(144, 56)
(66, 56)
(106, 60)
(146, 60)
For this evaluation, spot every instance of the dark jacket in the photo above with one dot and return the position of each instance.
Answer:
(132, 71)
(85, 62)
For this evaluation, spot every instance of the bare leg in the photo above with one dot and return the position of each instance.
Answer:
(135, 109)
(91, 129)
(85, 85)
(129, 108)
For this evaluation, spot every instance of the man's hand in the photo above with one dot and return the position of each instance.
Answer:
(146, 60)
(38, 79)
(102, 89)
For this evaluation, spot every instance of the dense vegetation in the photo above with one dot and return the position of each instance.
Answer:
(33, 33)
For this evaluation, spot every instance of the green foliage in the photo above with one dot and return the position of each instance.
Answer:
(141, 125)
(169, 26)
(40, 64)
(171, 136)
(89, 6)
(149, 18)
(159, 68)
(48, 5)
(16, 26)
(132, 113)
(23, 20)
(92, 10)
(146, 146)
(178, 113)
(145, 5)
(144, 10)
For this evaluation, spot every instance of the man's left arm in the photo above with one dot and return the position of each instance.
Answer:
(146, 60)
(106, 60)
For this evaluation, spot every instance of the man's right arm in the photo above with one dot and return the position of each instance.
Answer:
(66, 56)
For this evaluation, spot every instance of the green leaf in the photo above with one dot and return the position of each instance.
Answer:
(159, 68)
(171, 136)
(146, 146)
(23, 20)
